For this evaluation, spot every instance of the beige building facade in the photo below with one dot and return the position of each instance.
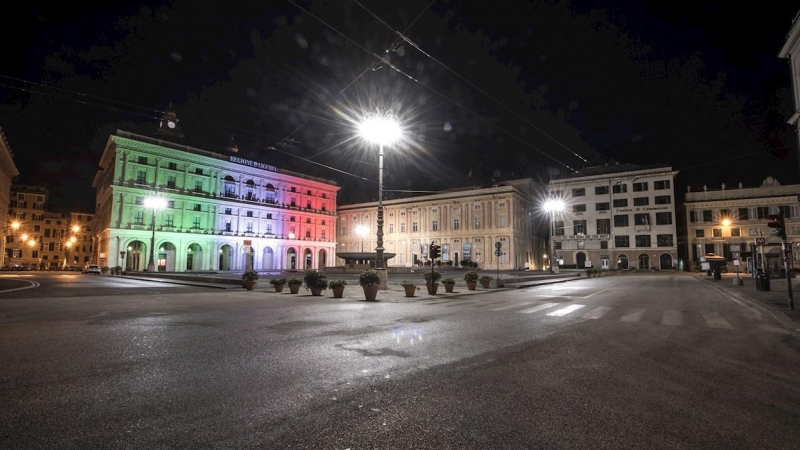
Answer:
(616, 217)
(465, 223)
(8, 170)
(791, 52)
(724, 221)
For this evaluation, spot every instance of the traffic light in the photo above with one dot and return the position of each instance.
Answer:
(776, 221)
(435, 251)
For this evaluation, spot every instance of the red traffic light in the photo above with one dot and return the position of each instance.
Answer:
(775, 221)
(435, 251)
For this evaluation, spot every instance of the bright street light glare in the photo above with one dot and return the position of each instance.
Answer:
(554, 205)
(726, 222)
(155, 202)
(362, 230)
(380, 129)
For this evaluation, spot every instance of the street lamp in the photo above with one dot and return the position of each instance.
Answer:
(154, 203)
(362, 230)
(382, 129)
(553, 206)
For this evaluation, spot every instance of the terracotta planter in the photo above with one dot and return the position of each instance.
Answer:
(471, 285)
(279, 287)
(250, 285)
(432, 288)
(486, 285)
(410, 290)
(316, 292)
(371, 292)
(294, 288)
(449, 287)
(338, 291)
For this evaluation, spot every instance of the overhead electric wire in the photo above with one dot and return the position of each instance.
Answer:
(405, 38)
(389, 64)
(732, 158)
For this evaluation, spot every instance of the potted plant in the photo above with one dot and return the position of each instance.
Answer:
(370, 281)
(431, 281)
(315, 281)
(279, 283)
(117, 270)
(250, 278)
(485, 280)
(409, 287)
(471, 278)
(449, 284)
(337, 286)
(104, 269)
(294, 285)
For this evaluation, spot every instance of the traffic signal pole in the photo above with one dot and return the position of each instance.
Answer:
(787, 252)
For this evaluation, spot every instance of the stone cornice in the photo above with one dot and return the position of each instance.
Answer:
(618, 176)
(792, 39)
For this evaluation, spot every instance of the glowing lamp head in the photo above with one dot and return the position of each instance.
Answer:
(24, 237)
(76, 228)
(726, 222)
(362, 230)
(380, 128)
(15, 225)
(69, 244)
(32, 243)
(155, 202)
(554, 205)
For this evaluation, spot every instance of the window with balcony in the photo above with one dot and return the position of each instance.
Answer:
(269, 228)
(229, 187)
(228, 225)
(579, 226)
(248, 226)
(293, 202)
(198, 186)
(477, 224)
(643, 240)
(642, 219)
(308, 234)
(603, 226)
(322, 234)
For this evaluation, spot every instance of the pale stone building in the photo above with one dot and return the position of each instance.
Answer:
(465, 223)
(728, 220)
(618, 216)
(25, 244)
(791, 51)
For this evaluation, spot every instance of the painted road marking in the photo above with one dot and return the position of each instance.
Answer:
(714, 320)
(633, 315)
(672, 317)
(565, 311)
(515, 305)
(538, 308)
(598, 312)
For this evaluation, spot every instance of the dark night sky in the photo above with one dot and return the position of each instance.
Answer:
(510, 89)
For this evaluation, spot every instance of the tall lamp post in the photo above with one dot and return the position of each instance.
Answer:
(154, 203)
(382, 129)
(553, 206)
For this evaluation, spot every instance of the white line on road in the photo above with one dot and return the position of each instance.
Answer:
(538, 308)
(33, 285)
(514, 305)
(714, 320)
(565, 311)
(633, 315)
(598, 312)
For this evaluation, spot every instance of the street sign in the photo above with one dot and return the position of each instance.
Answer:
(498, 245)
(761, 241)
(498, 252)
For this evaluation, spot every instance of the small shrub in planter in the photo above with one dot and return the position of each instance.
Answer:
(315, 281)
(471, 276)
(370, 281)
(337, 287)
(485, 280)
(409, 287)
(294, 285)
(279, 283)
(449, 284)
(432, 276)
(250, 278)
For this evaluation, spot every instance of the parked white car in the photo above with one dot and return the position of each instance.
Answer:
(93, 268)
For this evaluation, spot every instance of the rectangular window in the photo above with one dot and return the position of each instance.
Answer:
(641, 201)
(197, 207)
(664, 240)
(142, 160)
(456, 224)
(663, 199)
(249, 213)
(198, 171)
(169, 220)
(725, 213)
(557, 245)
(579, 226)
(579, 208)
(228, 225)
(435, 225)
(640, 187)
(402, 227)
(322, 234)
(603, 245)
(269, 228)
(198, 186)
(620, 202)
(642, 219)
(700, 233)
(269, 215)
(717, 232)
(664, 218)
(621, 220)
(172, 166)
(228, 211)
(735, 232)
(619, 188)
(195, 223)
(580, 192)
(743, 214)
(661, 185)
(477, 223)
(308, 233)
(643, 240)
(171, 182)
(414, 227)
(559, 227)
(603, 226)
(622, 241)
(753, 231)
(138, 218)
(602, 206)
(249, 227)
(391, 228)
(502, 223)
(600, 190)
(141, 177)
(171, 204)
(707, 215)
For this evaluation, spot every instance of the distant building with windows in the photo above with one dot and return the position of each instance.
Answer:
(223, 212)
(724, 221)
(8, 170)
(28, 227)
(80, 250)
(466, 223)
(619, 216)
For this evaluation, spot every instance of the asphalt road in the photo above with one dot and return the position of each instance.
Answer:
(54, 284)
(638, 361)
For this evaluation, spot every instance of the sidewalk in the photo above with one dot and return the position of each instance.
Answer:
(775, 300)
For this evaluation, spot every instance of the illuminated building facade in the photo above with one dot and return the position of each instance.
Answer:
(465, 223)
(223, 212)
(7, 173)
(618, 216)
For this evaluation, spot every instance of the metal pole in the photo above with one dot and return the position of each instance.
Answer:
(786, 254)
(551, 240)
(151, 265)
(379, 263)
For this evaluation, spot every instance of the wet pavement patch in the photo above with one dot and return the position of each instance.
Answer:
(296, 325)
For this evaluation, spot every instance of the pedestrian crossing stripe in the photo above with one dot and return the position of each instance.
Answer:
(565, 311)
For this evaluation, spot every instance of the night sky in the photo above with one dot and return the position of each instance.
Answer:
(487, 91)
